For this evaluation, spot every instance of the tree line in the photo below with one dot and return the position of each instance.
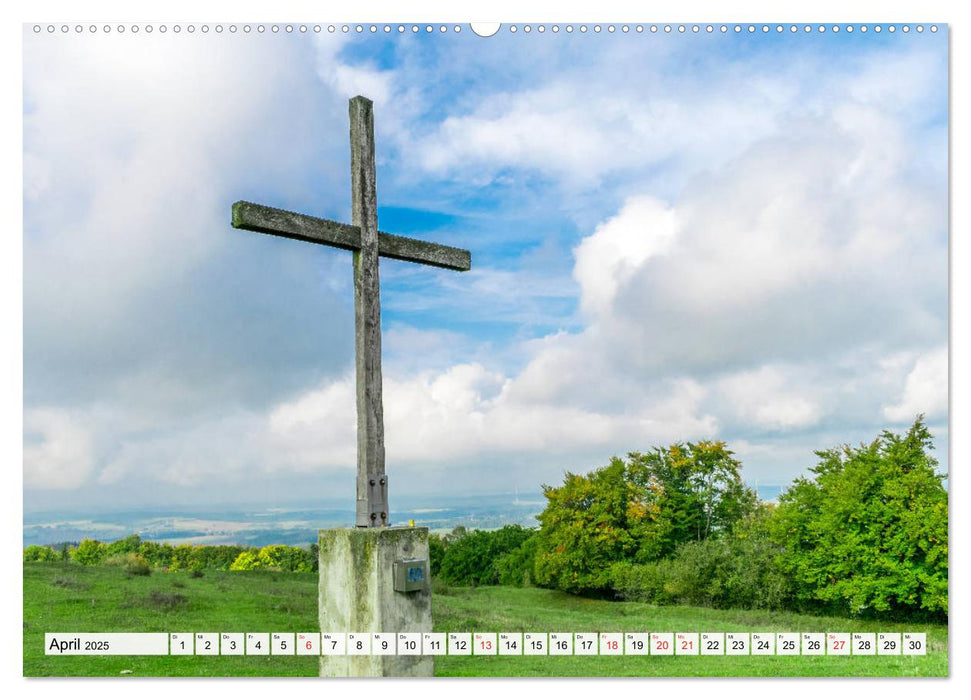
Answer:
(863, 534)
(139, 555)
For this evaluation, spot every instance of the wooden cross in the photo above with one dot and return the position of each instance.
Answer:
(368, 244)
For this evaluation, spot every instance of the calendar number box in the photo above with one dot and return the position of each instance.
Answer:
(257, 643)
(459, 644)
(510, 643)
(535, 643)
(611, 643)
(864, 644)
(838, 643)
(787, 644)
(180, 644)
(763, 644)
(712, 643)
(888, 643)
(383, 644)
(434, 643)
(737, 643)
(914, 644)
(409, 644)
(637, 643)
(308, 643)
(358, 644)
(207, 643)
(333, 643)
(485, 644)
(686, 643)
(282, 644)
(561, 643)
(662, 643)
(585, 644)
(813, 643)
(232, 644)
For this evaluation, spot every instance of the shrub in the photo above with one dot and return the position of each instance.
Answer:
(125, 545)
(158, 554)
(740, 570)
(137, 565)
(38, 553)
(134, 564)
(89, 552)
(645, 583)
(436, 552)
(246, 561)
(280, 557)
(516, 568)
(472, 560)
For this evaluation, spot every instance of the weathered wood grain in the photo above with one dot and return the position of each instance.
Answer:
(372, 508)
(248, 216)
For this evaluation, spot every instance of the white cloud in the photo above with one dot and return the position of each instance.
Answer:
(58, 449)
(763, 398)
(925, 389)
(612, 254)
(349, 80)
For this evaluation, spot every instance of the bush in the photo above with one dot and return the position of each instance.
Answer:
(125, 545)
(38, 553)
(134, 564)
(740, 570)
(281, 557)
(644, 583)
(472, 560)
(158, 554)
(137, 566)
(436, 552)
(89, 552)
(246, 561)
(517, 567)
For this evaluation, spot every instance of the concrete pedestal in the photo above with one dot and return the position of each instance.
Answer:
(356, 594)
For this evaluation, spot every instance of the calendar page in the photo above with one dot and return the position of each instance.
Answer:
(522, 349)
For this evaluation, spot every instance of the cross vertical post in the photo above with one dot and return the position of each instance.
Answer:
(368, 245)
(372, 482)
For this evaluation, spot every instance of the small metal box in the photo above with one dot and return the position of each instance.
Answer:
(410, 575)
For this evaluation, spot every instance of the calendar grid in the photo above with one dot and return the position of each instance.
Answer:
(487, 644)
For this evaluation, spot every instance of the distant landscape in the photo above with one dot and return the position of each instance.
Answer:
(257, 526)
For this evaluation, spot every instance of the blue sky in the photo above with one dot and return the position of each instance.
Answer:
(674, 237)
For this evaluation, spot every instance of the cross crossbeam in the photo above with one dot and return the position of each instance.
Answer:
(300, 227)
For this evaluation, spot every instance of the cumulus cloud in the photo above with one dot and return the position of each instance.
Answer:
(925, 389)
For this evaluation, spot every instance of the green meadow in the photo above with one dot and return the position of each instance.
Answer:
(67, 597)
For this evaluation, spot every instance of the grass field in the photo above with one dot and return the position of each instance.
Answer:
(64, 597)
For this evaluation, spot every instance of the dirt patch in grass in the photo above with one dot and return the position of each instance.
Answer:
(70, 583)
(159, 600)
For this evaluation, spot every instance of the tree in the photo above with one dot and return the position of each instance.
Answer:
(868, 531)
(585, 528)
(695, 491)
(637, 510)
